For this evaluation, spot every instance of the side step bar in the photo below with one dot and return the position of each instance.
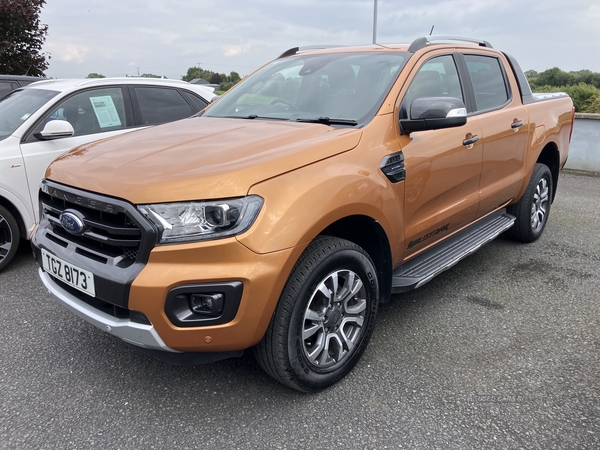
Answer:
(418, 271)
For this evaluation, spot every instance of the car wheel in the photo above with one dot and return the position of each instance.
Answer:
(9, 237)
(533, 208)
(324, 318)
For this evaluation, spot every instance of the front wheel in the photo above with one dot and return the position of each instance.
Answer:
(324, 319)
(9, 237)
(533, 208)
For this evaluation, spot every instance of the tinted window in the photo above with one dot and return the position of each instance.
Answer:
(488, 81)
(199, 104)
(93, 111)
(5, 88)
(438, 77)
(160, 105)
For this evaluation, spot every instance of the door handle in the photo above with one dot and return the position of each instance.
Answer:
(471, 141)
(516, 124)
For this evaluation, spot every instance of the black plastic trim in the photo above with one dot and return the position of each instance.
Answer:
(524, 88)
(392, 167)
(180, 314)
(112, 277)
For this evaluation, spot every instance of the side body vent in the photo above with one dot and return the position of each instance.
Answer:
(393, 167)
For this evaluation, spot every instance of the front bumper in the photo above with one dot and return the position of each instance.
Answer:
(131, 332)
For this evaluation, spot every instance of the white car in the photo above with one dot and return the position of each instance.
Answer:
(41, 121)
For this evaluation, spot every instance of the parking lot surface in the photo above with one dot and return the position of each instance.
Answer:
(501, 351)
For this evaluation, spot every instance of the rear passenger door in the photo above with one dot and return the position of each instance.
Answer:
(505, 125)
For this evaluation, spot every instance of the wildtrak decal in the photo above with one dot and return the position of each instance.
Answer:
(427, 236)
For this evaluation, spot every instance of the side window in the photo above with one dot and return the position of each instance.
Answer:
(161, 105)
(199, 103)
(93, 111)
(488, 81)
(438, 77)
(5, 88)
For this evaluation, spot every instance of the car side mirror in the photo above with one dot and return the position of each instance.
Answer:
(434, 113)
(55, 129)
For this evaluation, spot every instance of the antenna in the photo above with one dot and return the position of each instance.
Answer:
(431, 32)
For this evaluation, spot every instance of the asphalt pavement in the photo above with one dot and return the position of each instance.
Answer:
(501, 351)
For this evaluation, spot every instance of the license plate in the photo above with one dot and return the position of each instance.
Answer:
(66, 272)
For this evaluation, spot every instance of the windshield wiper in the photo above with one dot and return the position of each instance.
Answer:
(328, 121)
(254, 116)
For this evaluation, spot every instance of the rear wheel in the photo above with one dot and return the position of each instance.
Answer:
(533, 208)
(9, 237)
(324, 319)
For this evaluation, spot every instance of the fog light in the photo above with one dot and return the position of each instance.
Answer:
(207, 303)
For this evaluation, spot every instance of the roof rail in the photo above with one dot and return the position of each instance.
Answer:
(296, 50)
(422, 42)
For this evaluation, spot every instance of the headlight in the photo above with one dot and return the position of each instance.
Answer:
(195, 221)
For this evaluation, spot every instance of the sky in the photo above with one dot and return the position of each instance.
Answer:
(166, 37)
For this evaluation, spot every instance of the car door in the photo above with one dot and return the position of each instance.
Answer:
(505, 125)
(442, 166)
(94, 114)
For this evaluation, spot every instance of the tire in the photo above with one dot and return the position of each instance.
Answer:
(534, 207)
(313, 341)
(9, 237)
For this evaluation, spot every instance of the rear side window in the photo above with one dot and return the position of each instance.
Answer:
(488, 81)
(161, 105)
(199, 104)
(5, 88)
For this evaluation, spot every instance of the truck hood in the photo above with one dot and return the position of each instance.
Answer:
(198, 158)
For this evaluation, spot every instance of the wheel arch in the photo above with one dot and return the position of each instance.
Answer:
(550, 156)
(368, 234)
(16, 214)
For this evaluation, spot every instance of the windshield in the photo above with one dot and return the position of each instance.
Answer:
(346, 88)
(18, 106)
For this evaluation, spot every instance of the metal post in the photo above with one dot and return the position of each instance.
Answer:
(375, 22)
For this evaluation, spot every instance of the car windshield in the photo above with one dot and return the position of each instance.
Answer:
(18, 106)
(337, 89)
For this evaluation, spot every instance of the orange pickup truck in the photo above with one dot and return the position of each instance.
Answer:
(280, 217)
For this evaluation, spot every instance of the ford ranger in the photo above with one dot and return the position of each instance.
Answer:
(280, 217)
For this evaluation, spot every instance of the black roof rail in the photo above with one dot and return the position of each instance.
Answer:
(296, 50)
(422, 42)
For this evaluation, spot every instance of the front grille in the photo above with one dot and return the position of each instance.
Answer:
(111, 235)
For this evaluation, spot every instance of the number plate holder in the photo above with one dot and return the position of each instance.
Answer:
(80, 279)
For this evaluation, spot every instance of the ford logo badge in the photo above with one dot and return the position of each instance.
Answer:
(72, 221)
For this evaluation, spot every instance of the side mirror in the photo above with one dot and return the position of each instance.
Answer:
(55, 129)
(434, 113)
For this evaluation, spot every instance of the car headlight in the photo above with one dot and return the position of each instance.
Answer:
(195, 221)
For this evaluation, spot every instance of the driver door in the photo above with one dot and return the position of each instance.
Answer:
(442, 169)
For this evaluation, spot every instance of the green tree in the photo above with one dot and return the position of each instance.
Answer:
(531, 73)
(554, 77)
(150, 75)
(234, 77)
(592, 105)
(216, 78)
(22, 37)
(197, 72)
(95, 75)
